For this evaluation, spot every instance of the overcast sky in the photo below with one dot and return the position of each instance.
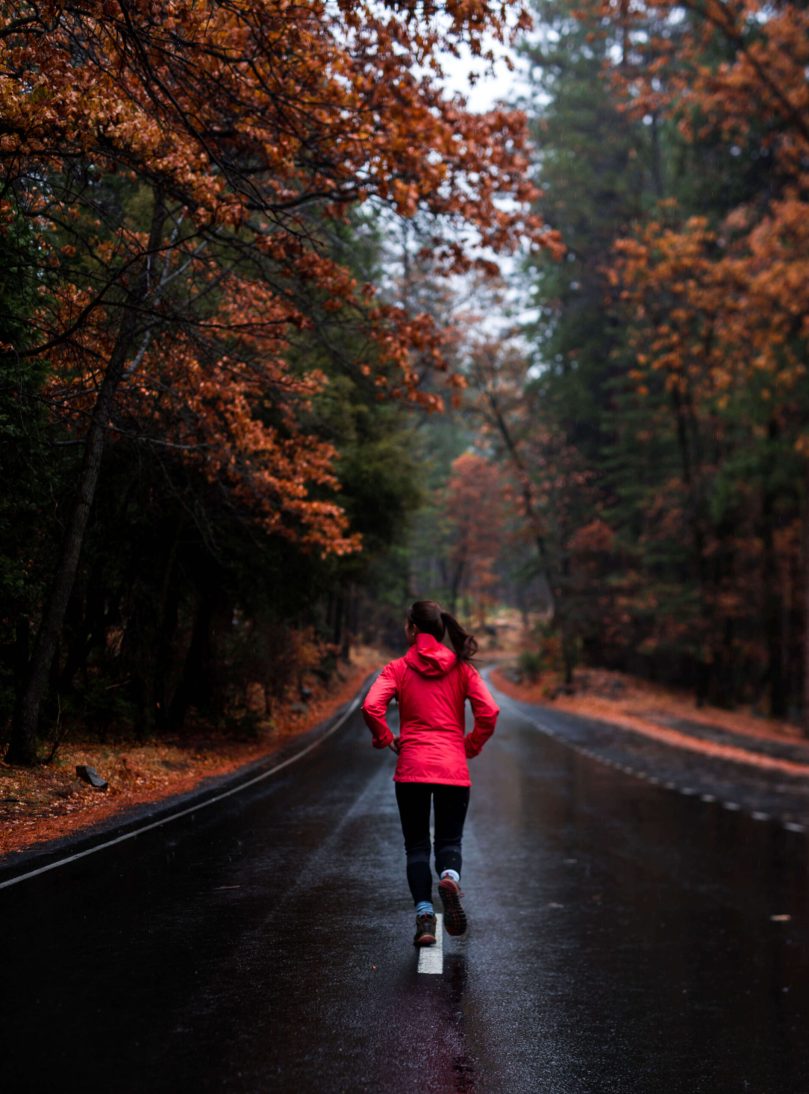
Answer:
(502, 85)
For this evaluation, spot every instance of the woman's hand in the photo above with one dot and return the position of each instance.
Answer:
(395, 745)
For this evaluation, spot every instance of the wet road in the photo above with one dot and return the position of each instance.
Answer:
(621, 940)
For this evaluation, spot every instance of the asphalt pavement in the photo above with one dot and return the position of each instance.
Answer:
(625, 935)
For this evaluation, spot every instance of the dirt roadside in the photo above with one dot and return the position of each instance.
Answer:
(669, 716)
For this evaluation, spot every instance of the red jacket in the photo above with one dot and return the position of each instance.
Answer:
(431, 685)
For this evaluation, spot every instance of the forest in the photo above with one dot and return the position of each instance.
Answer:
(290, 335)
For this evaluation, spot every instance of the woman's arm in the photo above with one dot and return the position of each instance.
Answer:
(375, 707)
(484, 709)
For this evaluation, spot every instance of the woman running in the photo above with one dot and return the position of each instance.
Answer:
(431, 685)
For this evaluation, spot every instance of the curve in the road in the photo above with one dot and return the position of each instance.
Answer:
(200, 803)
(723, 794)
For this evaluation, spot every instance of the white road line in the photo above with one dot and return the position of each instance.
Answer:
(707, 798)
(732, 806)
(791, 826)
(761, 816)
(431, 958)
(184, 812)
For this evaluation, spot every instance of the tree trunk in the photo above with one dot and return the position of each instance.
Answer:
(458, 573)
(25, 727)
(532, 515)
(806, 605)
(338, 608)
(350, 629)
(773, 608)
(564, 622)
(166, 630)
(692, 476)
(194, 684)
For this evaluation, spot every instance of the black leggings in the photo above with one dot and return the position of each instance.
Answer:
(451, 804)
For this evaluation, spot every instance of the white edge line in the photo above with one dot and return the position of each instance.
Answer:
(184, 812)
(688, 791)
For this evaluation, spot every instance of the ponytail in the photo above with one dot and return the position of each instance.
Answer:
(464, 644)
(426, 616)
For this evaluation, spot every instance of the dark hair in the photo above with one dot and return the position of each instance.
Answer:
(428, 617)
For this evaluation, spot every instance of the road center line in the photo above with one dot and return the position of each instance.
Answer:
(185, 812)
(431, 958)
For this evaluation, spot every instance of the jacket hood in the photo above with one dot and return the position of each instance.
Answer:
(429, 657)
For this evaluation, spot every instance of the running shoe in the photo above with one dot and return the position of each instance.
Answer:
(425, 930)
(454, 915)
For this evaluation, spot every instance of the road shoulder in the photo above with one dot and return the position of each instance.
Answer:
(90, 831)
(723, 777)
(770, 748)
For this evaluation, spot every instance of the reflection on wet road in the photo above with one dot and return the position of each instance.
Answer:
(622, 939)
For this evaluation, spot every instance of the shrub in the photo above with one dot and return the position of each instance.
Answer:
(529, 664)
